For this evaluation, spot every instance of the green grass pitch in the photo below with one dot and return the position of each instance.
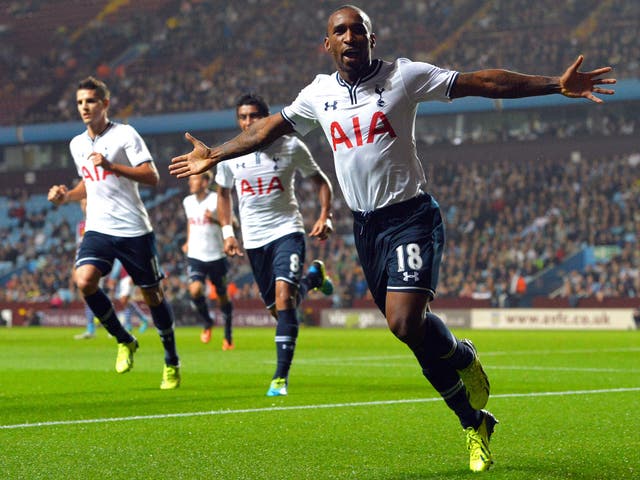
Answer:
(358, 408)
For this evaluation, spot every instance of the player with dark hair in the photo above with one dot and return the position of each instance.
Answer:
(112, 159)
(205, 254)
(272, 227)
(367, 111)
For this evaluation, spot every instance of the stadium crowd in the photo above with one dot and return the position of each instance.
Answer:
(163, 56)
(502, 231)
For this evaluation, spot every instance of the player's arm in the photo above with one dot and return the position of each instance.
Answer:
(185, 246)
(60, 194)
(323, 226)
(202, 158)
(208, 214)
(496, 83)
(145, 173)
(225, 216)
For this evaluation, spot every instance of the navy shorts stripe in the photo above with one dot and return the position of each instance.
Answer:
(138, 255)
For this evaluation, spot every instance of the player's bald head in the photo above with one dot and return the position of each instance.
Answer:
(363, 16)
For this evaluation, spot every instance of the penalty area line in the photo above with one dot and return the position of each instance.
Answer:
(302, 407)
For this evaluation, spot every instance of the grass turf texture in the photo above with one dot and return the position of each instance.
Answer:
(358, 408)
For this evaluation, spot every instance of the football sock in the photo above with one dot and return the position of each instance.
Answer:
(127, 317)
(440, 354)
(135, 308)
(200, 303)
(162, 315)
(440, 342)
(102, 308)
(303, 288)
(286, 335)
(446, 381)
(227, 315)
(91, 327)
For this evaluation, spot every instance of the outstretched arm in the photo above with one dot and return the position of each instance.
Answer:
(506, 84)
(203, 158)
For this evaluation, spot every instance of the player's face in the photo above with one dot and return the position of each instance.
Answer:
(198, 183)
(91, 108)
(246, 115)
(349, 41)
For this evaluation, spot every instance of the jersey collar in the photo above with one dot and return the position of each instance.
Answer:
(376, 65)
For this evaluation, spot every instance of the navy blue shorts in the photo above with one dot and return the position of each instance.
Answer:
(138, 255)
(400, 247)
(215, 270)
(281, 259)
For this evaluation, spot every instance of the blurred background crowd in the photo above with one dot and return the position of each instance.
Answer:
(163, 56)
(509, 219)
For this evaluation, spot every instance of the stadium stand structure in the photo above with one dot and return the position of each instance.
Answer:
(157, 62)
(502, 221)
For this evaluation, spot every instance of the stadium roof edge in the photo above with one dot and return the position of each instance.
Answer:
(225, 119)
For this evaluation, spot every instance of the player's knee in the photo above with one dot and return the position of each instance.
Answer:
(87, 284)
(196, 289)
(152, 296)
(406, 330)
(286, 297)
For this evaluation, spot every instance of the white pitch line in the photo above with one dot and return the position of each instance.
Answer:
(483, 354)
(304, 407)
(410, 363)
(564, 369)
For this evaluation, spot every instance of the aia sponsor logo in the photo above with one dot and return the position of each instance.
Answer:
(262, 186)
(378, 125)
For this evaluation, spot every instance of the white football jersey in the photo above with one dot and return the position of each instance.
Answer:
(114, 206)
(370, 127)
(205, 236)
(264, 182)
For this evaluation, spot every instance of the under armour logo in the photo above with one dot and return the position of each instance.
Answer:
(333, 105)
(275, 163)
(413, 276)
(240, 165)
(379, 90)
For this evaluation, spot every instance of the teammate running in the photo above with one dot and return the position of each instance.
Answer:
(272, 228)
(205, 254)
(112, 159)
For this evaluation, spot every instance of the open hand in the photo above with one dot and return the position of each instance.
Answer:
(192, 163)
(576, 84)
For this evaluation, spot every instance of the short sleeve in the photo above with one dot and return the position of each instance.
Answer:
(137, 151)
(424, 82)
(224, 176)
(300, 114)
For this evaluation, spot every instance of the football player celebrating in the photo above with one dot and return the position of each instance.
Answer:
(367, 111)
